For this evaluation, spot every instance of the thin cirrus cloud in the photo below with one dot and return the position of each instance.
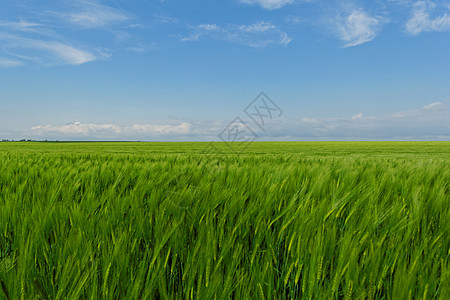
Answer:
(21, 25)
(260, 34)
(423, 21)
(435, 106)
(9, 63)
(46, 43)
(358, 27)
(47, 51)
(268, 4)
(66, 53)
(90, 14)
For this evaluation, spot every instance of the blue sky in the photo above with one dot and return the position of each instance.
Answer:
(183, 70)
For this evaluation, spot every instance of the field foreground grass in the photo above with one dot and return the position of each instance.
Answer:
(366, 220)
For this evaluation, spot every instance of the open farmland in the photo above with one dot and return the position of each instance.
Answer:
(329, 220)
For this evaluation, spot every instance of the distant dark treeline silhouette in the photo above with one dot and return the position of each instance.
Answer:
(23, 140)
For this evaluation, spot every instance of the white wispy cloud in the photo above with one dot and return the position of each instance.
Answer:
(21, 25)
(423, 21)
(358, 27)
(9, 63)
(260, 27)
(66, 53)
(50, 52)
(358, 116)
(435, 106)
(92, 14)
(164, 19)
(42, 37)
(268, 4)
(256, 35)
(202, 30)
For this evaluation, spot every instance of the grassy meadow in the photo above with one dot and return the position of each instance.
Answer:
(282, 220)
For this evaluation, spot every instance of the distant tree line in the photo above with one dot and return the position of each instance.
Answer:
(23, 140)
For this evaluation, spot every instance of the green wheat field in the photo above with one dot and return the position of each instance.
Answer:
(281, 220)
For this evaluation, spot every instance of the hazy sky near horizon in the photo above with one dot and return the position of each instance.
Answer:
(183, 70)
